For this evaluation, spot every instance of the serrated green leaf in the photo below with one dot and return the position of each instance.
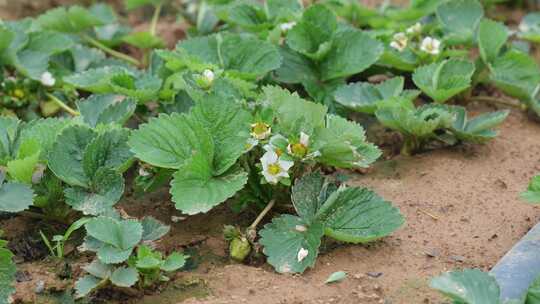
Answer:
(281, 8)
(296, 68)
(242, 55)
(65, 158)
(478, 129)
(170, 140)
(96, 80)
(343, 144)
(194, 190)
(106, 189)
(516, 74)
(352, 52)
(530, 27)
(470, 286)
(107, 150)
(22, 168)
(69, 20)
(9, 128)
(106, 109)
(532, 195)
(31, 63)
(336, 277)
(143, 88)
(442, 81)
(49, 42)
(109, 254)
(98, 269)
(306, 196)
(290, 244)
(358, 215)
(7, 275)
(420, 123)
(460, 19)
(122, 234)
(85, 285)
(153, 229)
(405, 61)
(174, 262)
(292, 113)
(229, 125)
(15, 197)
(247, 15)
(311, 36)
(492, 36)
(125, 276)
(364, 96)
(84, 57)
(144, 40)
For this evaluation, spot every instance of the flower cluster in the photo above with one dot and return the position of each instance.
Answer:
(428, 45)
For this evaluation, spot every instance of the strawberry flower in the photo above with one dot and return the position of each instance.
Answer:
(275, 168)
(431, 46)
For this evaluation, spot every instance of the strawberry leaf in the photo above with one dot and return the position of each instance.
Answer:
(106, 109)
(532, 195)
(492, 36)
(443, 80)
(290, 244)
(470, 286)
(460, 19)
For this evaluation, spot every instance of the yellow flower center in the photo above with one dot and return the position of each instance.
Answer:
(260, 128)
(299, 149)
(274, 169)
(18, 93)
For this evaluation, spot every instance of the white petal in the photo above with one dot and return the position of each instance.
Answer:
(272, 179)
(270, 157)
(302, 254)
(304, 139)
(285, 164)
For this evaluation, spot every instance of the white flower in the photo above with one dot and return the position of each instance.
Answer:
(274, 168)
(208, 75)
(431, 46)
(47, 79)
(300, 228)
(302, 254)
(415, 29)
(260, 130)
(143, 172)
(524, 27)
(285, 27)
(299, 149)
(251, 143)
(400, 41)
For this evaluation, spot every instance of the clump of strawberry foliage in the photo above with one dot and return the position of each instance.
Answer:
(252, 108)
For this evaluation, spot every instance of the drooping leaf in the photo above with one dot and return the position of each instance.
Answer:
(470, 286)
(441, 81)
(290, 244)
(358, 215)
(491, 38)
(15, 197)
(460, 19)
(532, 195)
(124, 276)
(478, 129)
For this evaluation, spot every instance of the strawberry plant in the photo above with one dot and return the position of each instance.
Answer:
(115, 240)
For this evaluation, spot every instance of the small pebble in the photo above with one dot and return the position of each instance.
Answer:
(458, 258)
(374, 274)
(40, 287)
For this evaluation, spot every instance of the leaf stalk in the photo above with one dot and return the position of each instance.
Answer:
(62, 105)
